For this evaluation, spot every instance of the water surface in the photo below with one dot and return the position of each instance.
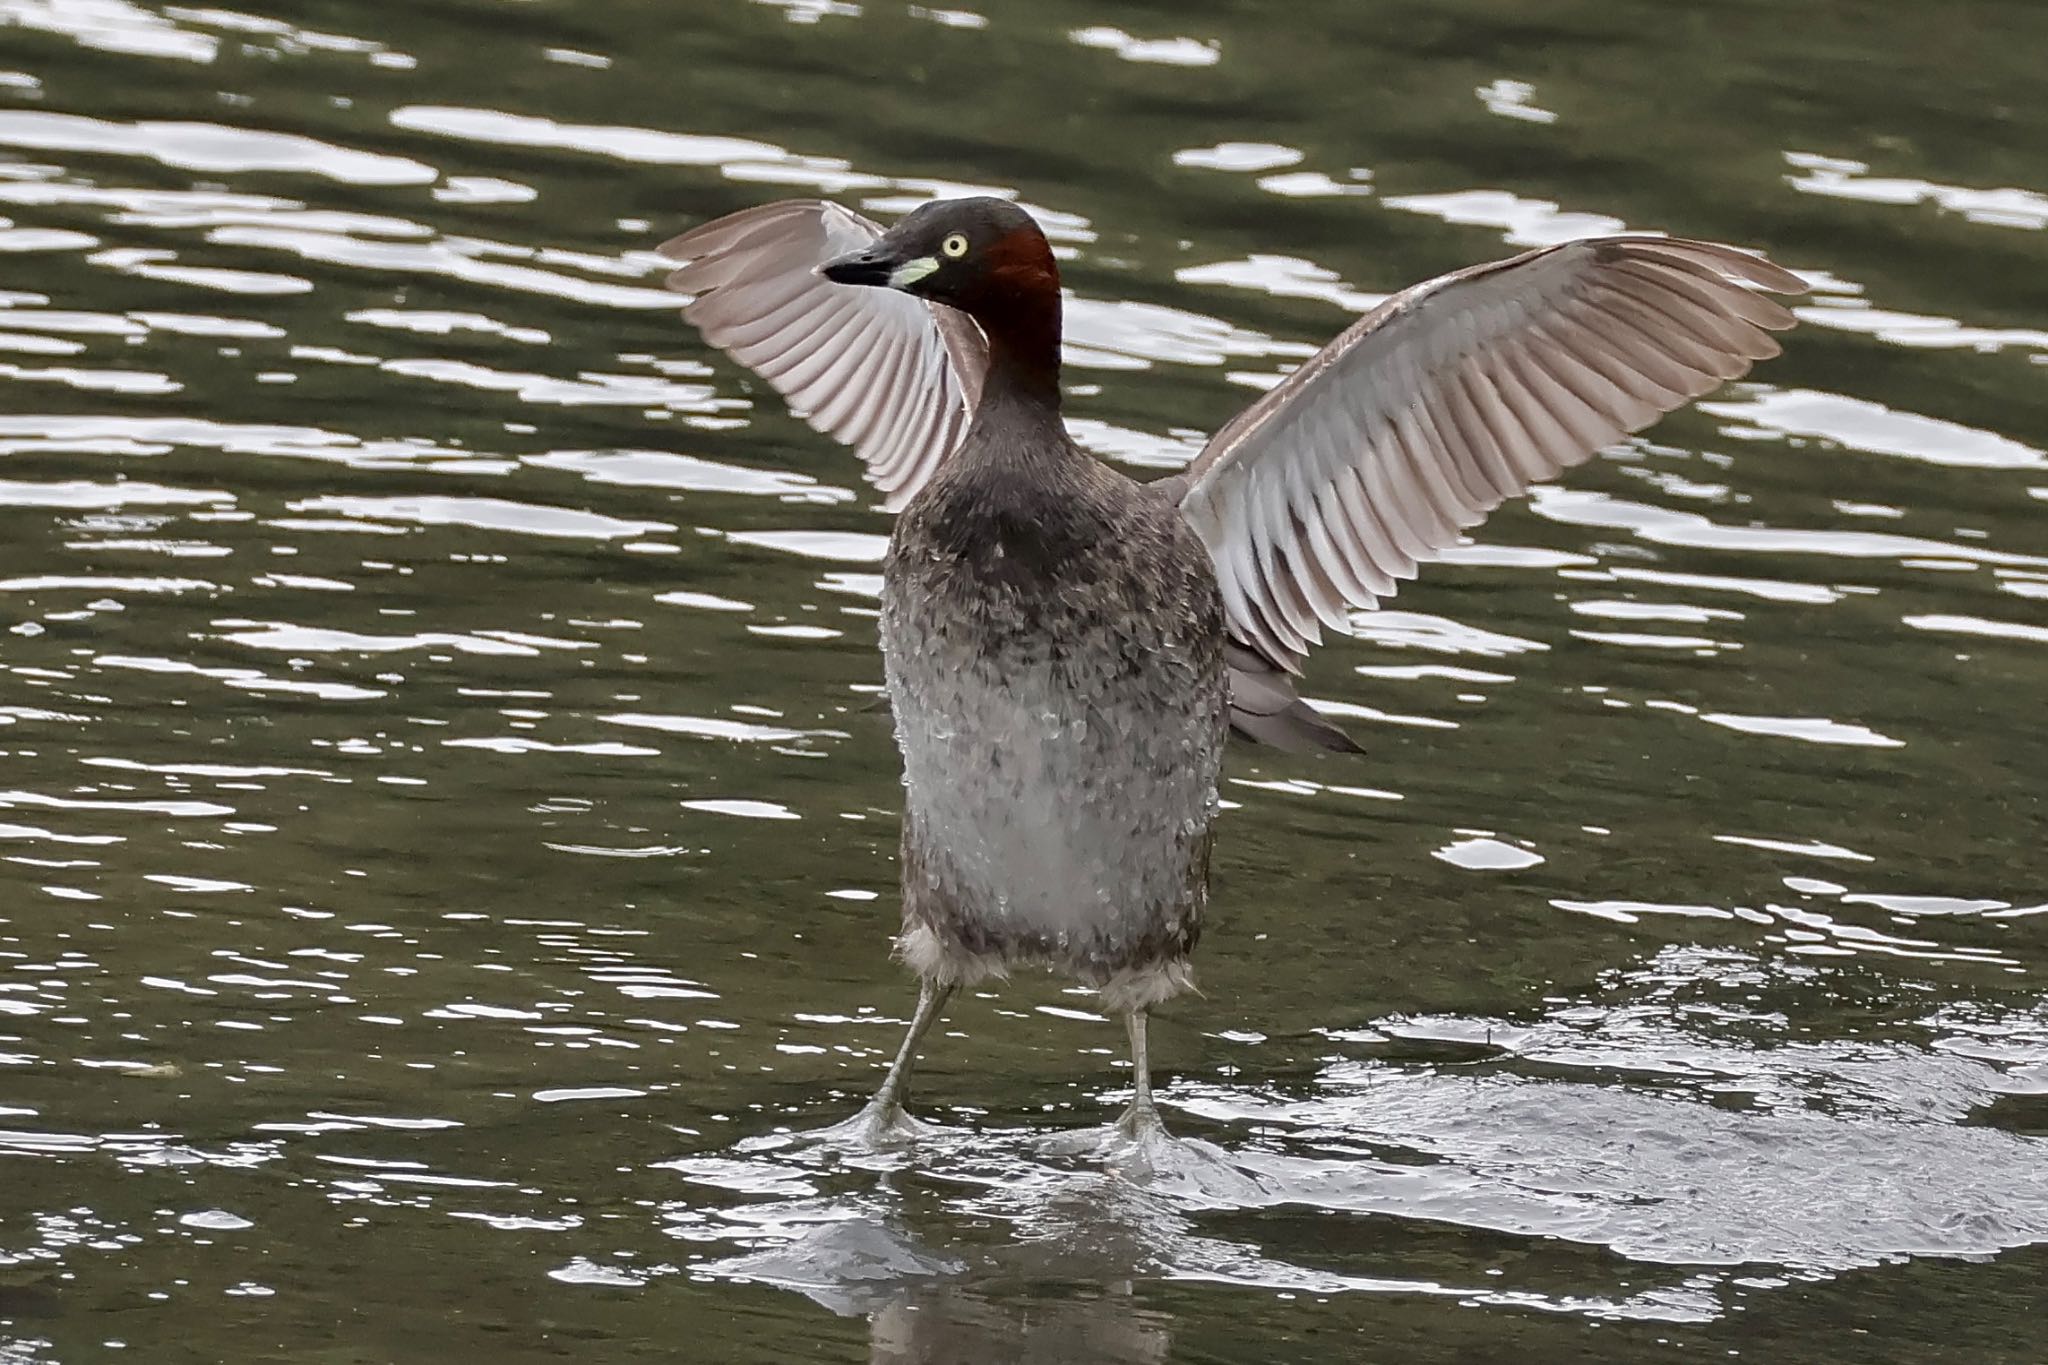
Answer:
(447, 830)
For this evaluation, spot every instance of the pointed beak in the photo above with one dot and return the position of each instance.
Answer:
(873, 266)
(881, 265)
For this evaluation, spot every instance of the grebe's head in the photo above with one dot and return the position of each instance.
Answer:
(983, 256)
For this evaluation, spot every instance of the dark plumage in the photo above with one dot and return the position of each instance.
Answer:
(1065, 647)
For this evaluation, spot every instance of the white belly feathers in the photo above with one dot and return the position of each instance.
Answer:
(1059, 809)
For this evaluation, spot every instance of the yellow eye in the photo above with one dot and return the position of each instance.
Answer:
(954, 246)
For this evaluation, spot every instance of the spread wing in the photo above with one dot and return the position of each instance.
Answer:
(892, 376)
(1443, 402)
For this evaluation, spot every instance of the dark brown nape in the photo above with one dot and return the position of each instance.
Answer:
(1017, 302)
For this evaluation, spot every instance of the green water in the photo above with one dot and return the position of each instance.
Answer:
(446, 830)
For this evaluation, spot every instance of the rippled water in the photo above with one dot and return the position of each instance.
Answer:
(447, 833)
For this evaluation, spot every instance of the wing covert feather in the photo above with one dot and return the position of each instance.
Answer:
(1446, 400)
(894, 377)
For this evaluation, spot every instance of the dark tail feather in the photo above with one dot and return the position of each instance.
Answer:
(1299, 729)
(1264, 707)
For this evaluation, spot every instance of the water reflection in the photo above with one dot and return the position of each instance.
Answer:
(947, 1325)
(1810, 1158)
(925, 1307)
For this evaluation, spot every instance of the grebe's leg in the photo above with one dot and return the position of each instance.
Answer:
(885, 1121)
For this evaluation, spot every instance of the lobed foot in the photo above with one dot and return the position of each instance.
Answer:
(1147, 1150)
(1138, 1148)
(878, 1127)
(1138, 1132)
(1141, 1124)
